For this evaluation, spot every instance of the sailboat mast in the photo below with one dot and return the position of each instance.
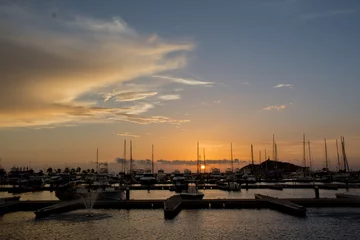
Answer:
(265, 155)
(337, 154)
(131, 160)
(259, 156)
(152, 158)
(304, 153)
(346, 164)
(276, 155)
(252, 158)
(204, 158)
(197, 158)
(232, 160)
(326, 157)
(97, 159)
(310, 163)
(273, 153)
(124, 156)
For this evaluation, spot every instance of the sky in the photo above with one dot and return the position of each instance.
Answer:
(76, 76)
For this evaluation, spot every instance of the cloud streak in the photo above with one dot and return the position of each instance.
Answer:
(275, 107)
(170, 97)
(126, 134)
(133, 96)
(284, 85)
(47, 64)
(326, 14)
(187, 81)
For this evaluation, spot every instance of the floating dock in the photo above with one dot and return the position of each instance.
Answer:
(348, 196)
(172, 206)
(169, 206)
(61, 207)
(283, 205)
(276, 187)
(7, 204)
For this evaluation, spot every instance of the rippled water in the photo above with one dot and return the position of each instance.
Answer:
(189, 224)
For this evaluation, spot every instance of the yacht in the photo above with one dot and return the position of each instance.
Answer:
(161, 176)
(192, 193)
(148, 179)
(72, 190)
(187, 174)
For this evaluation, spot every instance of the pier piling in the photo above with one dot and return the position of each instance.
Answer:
(317, 195)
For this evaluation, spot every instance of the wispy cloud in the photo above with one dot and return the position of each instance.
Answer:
(133, 96)
(126, 134)
(275, 107)
(326, 14)
(187, 81)
(47, 64)
(281, 85)
(170, 97)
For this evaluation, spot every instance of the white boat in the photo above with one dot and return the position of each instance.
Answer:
(192, 193)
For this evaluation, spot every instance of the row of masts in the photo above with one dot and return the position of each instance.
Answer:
(131, 167)
(275, 156)
(327, 164)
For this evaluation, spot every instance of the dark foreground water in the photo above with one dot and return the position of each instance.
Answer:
(189, 224)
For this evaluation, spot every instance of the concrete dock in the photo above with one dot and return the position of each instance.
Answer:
(283, 205)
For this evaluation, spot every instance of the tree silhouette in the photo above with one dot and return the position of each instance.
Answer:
(78, 169)
(49, 170)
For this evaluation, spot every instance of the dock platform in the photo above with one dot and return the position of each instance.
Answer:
(172, 206)
(283, 205)
(348, 196)
(61, 207)
(8, 203)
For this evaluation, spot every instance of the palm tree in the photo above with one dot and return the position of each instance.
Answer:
(92, 170)
(58, 170)
(66, 170)
(78, 169)
(49, 171)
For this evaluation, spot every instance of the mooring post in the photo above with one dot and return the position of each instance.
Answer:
(127, 193)
(316, 191)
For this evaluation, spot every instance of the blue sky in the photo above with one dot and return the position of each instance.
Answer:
(214, 71)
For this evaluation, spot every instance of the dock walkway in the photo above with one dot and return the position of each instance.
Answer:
(64, 206)
(283, 205)
(172, 206)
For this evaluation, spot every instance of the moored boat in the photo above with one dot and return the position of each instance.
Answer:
(192, 193)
